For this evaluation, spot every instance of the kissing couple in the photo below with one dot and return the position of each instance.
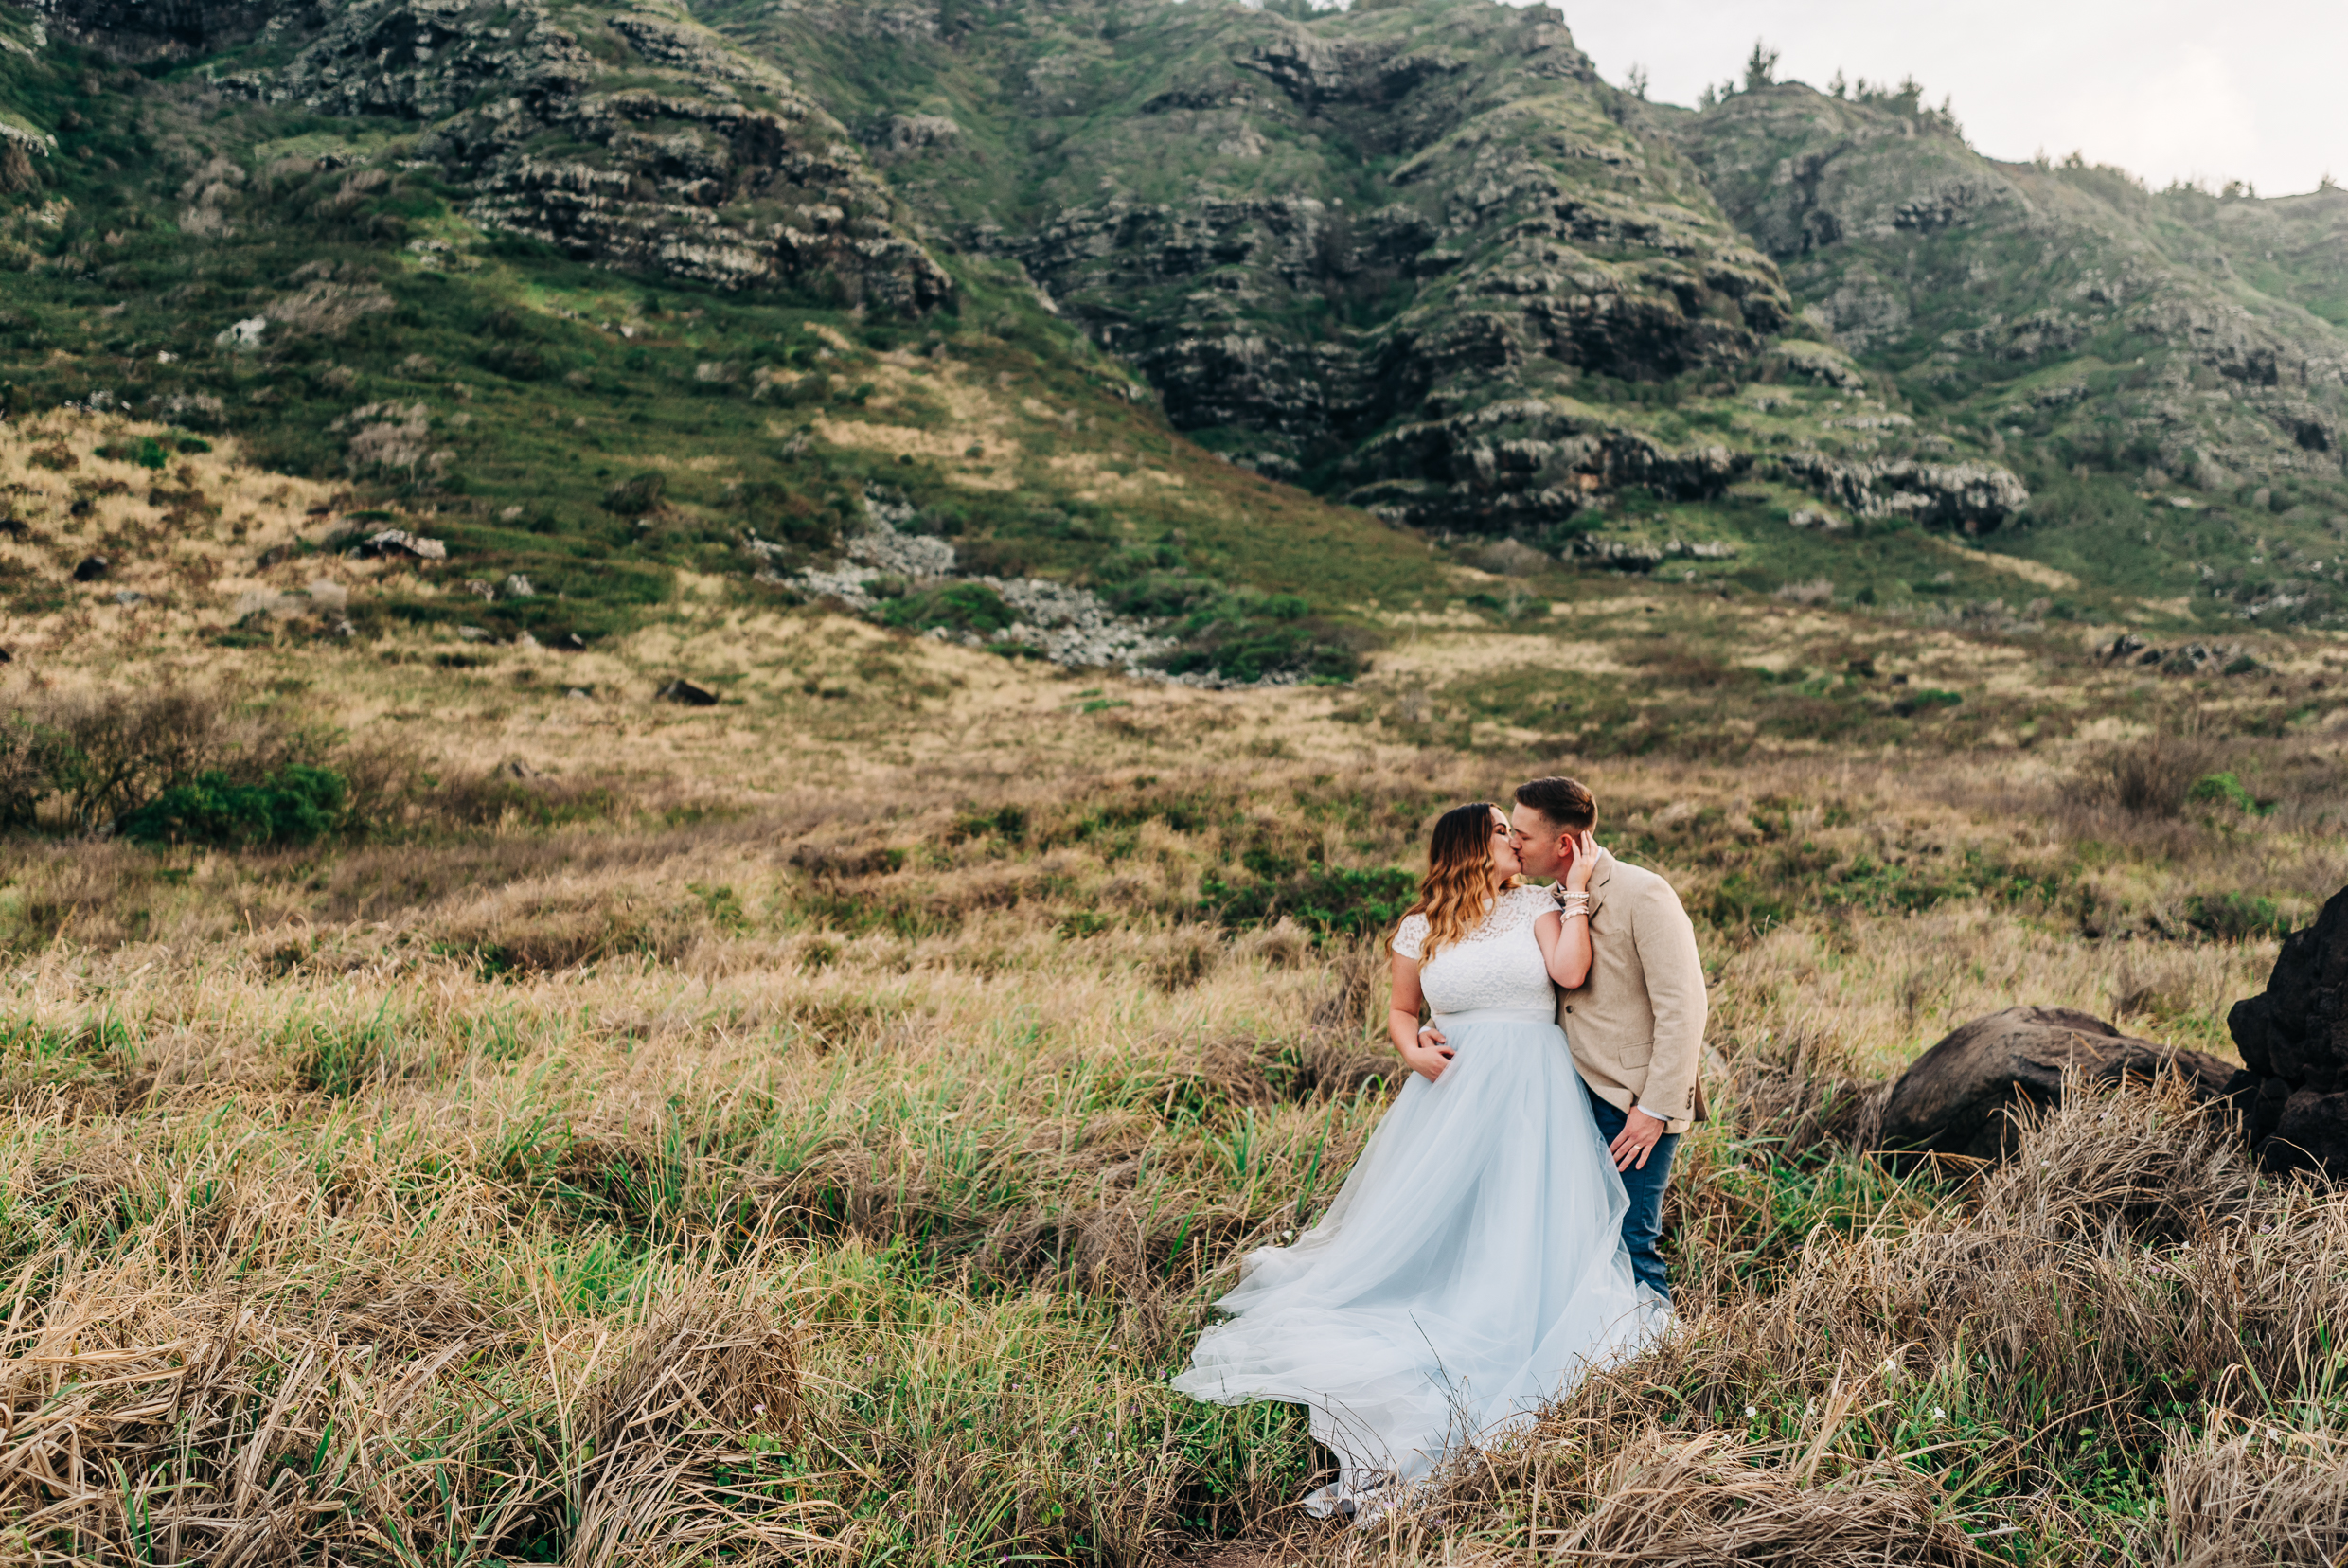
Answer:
(1497, 1238)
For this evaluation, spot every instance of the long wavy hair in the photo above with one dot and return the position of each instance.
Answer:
(1456, 891)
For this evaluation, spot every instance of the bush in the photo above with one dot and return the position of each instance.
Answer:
(146, 451)
(299, 805)
(960, 606)
(76, 762)
(2148, 777)
(2235, 916)
(2223, 789)
(1329, 900)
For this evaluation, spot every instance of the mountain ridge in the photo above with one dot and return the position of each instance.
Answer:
(1419, 258)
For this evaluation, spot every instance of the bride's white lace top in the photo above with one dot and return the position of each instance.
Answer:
(1497, 965)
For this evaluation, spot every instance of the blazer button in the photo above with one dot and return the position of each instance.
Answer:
(1568, 1006)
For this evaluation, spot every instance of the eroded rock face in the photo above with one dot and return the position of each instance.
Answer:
(638, 140)
(2293, 1037)
(1525, 228)
(139, 32)
(1514, 466)
(1954, 1098)
(1973, 497)
(1906, 245)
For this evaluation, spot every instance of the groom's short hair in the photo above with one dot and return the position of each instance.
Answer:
(1563, 801)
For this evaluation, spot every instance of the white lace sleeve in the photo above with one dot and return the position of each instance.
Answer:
(1411, 937)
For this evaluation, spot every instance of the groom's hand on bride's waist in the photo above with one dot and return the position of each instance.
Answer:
(1430, 1034)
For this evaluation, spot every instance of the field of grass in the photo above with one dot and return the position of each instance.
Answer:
(812, 1126)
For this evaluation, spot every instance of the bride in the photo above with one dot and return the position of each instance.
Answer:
(1472, 1265)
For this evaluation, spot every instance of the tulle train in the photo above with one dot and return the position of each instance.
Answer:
(1470, 1268)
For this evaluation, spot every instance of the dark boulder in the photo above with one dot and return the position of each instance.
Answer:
(1952, 1098)
(2293, 1037)
(91, 569)
(689, 694)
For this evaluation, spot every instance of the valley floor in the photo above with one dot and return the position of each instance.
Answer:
(813, 1125)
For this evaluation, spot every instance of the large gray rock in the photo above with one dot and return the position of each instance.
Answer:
(1953, 1099)
(2293, 1036)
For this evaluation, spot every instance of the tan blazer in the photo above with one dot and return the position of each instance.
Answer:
(1637, 1022)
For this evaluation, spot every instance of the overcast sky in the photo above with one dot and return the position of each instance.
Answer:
(2247, 89)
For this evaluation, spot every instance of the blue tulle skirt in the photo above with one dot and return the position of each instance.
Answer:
(1470, 1269)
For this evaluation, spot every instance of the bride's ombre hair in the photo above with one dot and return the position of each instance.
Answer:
(1456, 891)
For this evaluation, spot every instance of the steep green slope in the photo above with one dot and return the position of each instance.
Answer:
(620, 289)
(483, 286)
(1310, 235)
(2157, 367)
(2292, 249)
(1417, 256)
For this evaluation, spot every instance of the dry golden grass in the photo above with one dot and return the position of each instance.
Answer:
(186, 538)
(812, 1126)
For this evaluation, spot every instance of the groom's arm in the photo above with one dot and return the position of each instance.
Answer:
(1675, 988)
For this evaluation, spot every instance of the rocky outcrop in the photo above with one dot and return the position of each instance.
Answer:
(1907, 246)
(1971, 498)
(1522, 465)
(2293, 1037)
(634, 139)
(1067, 625)
(1957, 1097)
(1527, 229)
(140, 32)
(2192, 658)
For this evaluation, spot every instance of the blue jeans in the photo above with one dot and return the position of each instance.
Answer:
(1644, 1225)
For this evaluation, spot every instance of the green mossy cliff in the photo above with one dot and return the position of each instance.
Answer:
(1417, 258)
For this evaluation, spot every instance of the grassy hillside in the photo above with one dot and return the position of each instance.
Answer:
(595, 433)
(1417, 258)
(2159, 366)
(812, 1126)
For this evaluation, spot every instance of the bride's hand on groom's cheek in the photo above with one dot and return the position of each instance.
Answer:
(1585, 864)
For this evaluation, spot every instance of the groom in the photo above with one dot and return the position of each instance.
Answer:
(1636, 1022)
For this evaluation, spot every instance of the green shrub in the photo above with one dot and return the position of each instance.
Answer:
(147, 452)
(959, 606)
(76, 762)
(1332, 901)
(298, 805)
(2235, 916)
(2222, 789)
